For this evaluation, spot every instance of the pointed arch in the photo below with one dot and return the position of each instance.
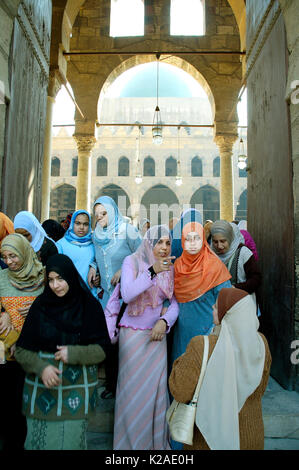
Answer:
(207, 197)
(196, 166)
(55, 166)
(102, 166)
(149, 166)
(62, 201)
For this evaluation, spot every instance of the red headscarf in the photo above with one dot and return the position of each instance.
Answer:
(196, 274)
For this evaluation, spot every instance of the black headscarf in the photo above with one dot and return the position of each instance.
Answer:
(77, 318)
(54, 229)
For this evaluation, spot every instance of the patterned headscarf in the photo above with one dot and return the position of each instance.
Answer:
(31, 274)
(70, 235)
(103, 236)
(143, 258)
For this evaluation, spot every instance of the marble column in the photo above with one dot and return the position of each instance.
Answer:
(225, 144)
(55, 83)
(85, 144)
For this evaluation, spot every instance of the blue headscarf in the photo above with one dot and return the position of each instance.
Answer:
(102, 236)
(190, 215)
(70, 235)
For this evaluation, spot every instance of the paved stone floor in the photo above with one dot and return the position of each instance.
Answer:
(280, 414)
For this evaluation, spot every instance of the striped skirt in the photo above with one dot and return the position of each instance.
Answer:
(141, 395)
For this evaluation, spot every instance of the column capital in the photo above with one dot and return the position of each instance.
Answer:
(225, 142)
(85, 142)
(56, 80)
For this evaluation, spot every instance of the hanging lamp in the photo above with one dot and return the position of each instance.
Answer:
(157, 123)
(138, 177)
(242, 157)
(178, 179)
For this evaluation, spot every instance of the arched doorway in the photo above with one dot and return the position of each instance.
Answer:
(159, 204)
(62, 201)
(207, 199)
(241, 213)
(118, 195)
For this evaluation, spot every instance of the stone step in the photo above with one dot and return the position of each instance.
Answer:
(281, 417)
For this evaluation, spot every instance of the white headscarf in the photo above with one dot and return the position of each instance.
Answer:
(103, 236)
(233, 235)
(233, 373)
(29, 222)
(142, 259)
(242, 225)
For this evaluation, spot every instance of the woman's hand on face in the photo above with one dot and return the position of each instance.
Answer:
(158, 331)
(50, 376)
(115, 279)
(91, 277)
(5, 323)
(163, 264)
(25, 308)
(62, 354)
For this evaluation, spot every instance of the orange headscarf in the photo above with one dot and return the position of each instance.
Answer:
(196, 274)
(6, 226)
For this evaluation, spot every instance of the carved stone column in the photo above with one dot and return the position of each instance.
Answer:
(85, 145)
(55, 83)
(225, 144)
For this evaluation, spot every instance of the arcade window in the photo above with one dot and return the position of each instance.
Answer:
(187, 18)
(127, 18)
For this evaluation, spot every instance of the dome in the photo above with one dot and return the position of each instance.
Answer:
(141, 82)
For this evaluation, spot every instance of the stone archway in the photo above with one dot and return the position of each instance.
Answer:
(241, 212)
(207, 197)
(159, 204)
(119, 196)
(176, 61)
(62, 201)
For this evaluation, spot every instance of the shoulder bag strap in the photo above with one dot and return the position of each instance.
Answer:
(203, 369)
(233, 265)
(122, 309)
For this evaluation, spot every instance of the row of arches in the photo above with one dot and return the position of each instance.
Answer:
(149, 167)
(63, 201)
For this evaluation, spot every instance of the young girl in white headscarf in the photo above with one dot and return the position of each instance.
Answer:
(141, 396)
(229, 410)
(27, 224)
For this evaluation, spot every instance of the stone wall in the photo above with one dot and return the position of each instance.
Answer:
(270, 180)
(8, 10)
(28, 75)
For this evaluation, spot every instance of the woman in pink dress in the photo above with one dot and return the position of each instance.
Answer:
(142, 395)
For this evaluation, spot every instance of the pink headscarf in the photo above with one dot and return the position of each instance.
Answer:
(143, 258)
